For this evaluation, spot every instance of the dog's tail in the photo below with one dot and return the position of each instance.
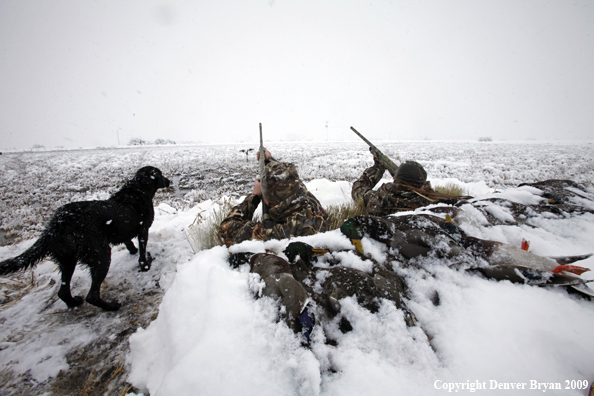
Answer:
(27, 259)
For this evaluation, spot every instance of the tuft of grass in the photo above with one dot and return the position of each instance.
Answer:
(452, 189)
(214, 225)
(338, 214)
(203, 232)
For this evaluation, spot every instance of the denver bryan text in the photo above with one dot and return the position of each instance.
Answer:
(473, 386)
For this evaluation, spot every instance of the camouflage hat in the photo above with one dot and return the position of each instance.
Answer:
(411, 172)
(280, 181)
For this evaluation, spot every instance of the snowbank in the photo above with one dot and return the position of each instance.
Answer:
(213, 337)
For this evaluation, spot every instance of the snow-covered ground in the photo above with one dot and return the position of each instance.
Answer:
(212, 337)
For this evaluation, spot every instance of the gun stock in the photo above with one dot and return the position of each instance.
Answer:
(383, 159)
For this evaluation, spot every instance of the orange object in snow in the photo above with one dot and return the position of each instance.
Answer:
(570, 268)
(525, 245)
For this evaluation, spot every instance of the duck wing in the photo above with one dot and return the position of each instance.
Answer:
(584, 289)
(564, 260)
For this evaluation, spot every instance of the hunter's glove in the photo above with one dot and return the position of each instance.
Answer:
(375, 154)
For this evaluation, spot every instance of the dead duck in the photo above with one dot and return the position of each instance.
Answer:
(280, 283)
(294, 251)
(304, 251)
(507, 262)
(343, 282)
(422, 234)
(412, 235)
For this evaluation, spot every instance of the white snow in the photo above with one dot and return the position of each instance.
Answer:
(330, 193)
(213, 337)
(483, 330)
(524, 195)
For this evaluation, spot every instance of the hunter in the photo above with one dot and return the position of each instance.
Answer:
(291, 209)
(408, 191)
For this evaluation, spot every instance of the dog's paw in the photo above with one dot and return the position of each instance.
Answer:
(75, 302)
(104, 305)
(146, 265)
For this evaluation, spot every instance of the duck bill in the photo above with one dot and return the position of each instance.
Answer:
(357, 244)
(320, 251)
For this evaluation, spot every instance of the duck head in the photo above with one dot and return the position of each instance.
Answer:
(354, 230)
(306, 252)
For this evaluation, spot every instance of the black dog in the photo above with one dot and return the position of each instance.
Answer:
(83, 231)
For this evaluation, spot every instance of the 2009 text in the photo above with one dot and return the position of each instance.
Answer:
(579, 384)
(473, 386)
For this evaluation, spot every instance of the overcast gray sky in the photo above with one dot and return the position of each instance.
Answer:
(79, 72)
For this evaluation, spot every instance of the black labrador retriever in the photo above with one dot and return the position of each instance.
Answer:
(83, 231)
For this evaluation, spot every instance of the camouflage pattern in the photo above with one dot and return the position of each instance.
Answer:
(280, 181)
(293, 211)
(401, 195)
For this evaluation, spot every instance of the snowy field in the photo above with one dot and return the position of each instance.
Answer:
(212, 337)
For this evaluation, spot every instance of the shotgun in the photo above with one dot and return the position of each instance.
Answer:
(383, 159)
(262, 167)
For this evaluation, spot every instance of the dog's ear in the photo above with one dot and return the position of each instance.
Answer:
(155, 173)
(149, 172)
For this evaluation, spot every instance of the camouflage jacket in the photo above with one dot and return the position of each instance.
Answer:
(298, 215)
(390, 197)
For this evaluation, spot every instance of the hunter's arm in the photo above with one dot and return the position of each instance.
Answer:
(239, 217)
(368, 180)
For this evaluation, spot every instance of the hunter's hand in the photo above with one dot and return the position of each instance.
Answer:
(375, 155)
(257, 188)
(266, 154)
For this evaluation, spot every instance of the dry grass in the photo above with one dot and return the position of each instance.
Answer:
(452, 189)
(203, 232)
(213, 226)
(15, 286)
(126, 389)
(338, 214)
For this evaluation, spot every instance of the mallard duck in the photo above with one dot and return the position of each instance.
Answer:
(355, 231)
(304, 251)
(412, 236)
(417, 235)
(238, 259)
(280, 283)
